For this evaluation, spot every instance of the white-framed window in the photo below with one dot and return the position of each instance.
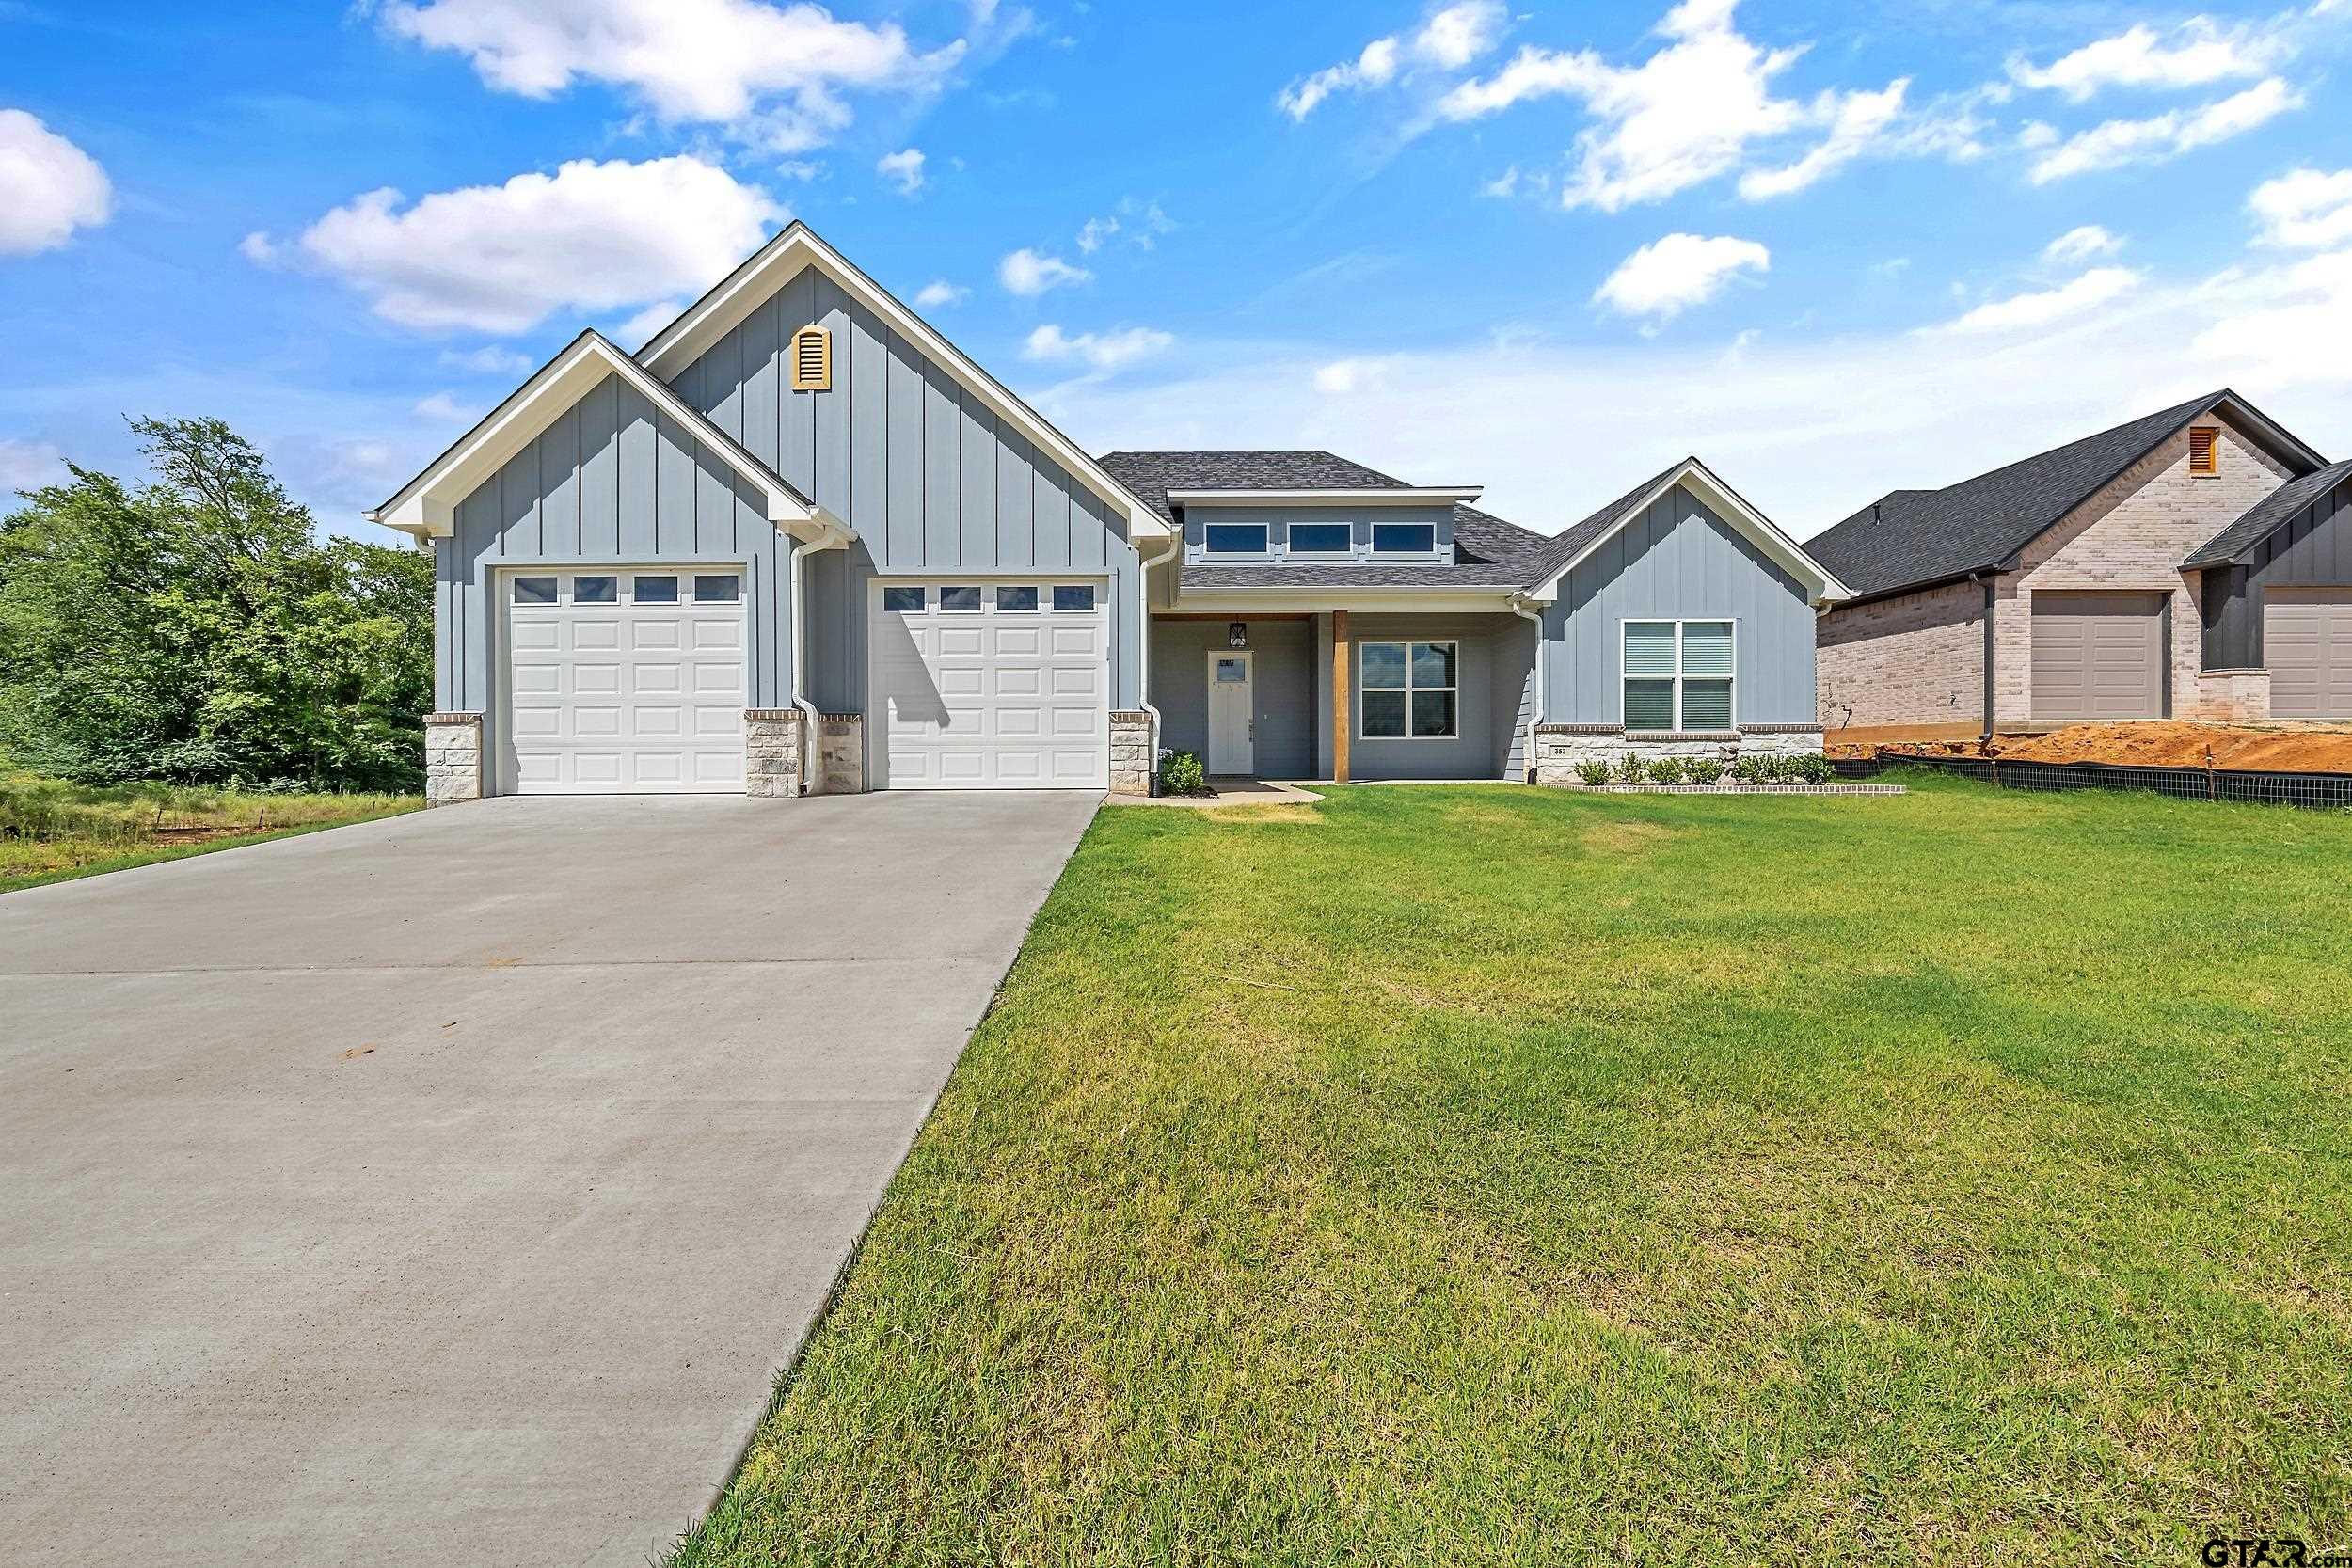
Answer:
(653, 590)
(1678, 676)
(534, 590)
(1404, 538)
(1409, 690)
(903, 601)
(718, 588)
(1009, 597)
(1323, 539)
(1078, 597)
(960, 598)
(1234, 538)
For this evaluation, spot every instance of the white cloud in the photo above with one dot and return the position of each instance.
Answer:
(1667, 276)
(1093, 232)
(1690, 113)
(2304, 210)
(1809, 427)
(2081, 245)
(1142, 222)
(2198, 54)
(2043, 306)
(2161, 138)
(638, 329)
(589, 238)
(1343, 377)
(903, 169)
(260, 249)
(938, 292)
(772, 72)
(1029, 273)
(1448, 40)
(489, 359)
(443, 409)
(28, 466)
(1503, 185)
(48, 187)
(1101, 352)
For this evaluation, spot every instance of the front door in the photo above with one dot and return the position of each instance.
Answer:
(1230, 705)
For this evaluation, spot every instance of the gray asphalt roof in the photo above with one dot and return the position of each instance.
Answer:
(1152, 474)
(1907, 537)
(2267, 514)
(1564, 546)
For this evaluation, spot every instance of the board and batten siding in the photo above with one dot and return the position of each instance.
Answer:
(1676, 561)
(613, 480)
(2312, 550)
(931, 479)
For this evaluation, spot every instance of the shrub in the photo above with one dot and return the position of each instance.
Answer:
(1703, 771)
(1666, 770)
(1592, 770)
(1751, 771)
(1181, 773)
(1629, 769)
(1814, 768)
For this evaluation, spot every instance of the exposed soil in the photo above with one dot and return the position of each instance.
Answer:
(2284, 748)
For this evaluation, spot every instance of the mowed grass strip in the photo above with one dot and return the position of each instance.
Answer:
(1472, 1175)
(52, 832)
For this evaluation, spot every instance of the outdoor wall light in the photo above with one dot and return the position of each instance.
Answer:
(1237, 634)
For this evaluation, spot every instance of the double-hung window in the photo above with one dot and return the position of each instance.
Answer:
(1678, 675)
(1411, 690)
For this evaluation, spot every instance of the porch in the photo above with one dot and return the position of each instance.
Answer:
(1346, 695)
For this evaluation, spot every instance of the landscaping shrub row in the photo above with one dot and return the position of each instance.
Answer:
(1632, 770)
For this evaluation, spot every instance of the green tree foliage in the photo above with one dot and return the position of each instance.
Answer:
(194, 630)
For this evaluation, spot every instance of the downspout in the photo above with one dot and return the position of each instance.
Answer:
(1992, 598)
(1143, 640)
(1535, 716)
(835, 536)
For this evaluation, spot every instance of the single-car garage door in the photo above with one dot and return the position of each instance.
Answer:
(2098, 656)
(625, 682)
(2307, 642)
(991, 684)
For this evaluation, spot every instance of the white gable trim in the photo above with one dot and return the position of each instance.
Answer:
(797, 248)
(1726, 504)
(426, 506)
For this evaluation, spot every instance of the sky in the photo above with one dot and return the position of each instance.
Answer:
(1830, 248)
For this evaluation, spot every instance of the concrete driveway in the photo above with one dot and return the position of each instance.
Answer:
(449, 1189)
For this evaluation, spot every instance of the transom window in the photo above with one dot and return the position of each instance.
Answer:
(1404, 538)
(1678, 675)
(1234, 538)
(1322, 538)
(1411, 690)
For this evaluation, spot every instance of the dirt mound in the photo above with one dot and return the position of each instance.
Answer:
(2284, 748)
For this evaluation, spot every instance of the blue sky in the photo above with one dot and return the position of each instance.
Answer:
(1832, 249)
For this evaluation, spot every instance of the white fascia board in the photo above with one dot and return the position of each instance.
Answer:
(797, 248)
(1242, 603)
(1726, 504)
(426, 506)
(1392, 496)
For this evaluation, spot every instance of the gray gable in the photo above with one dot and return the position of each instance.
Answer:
(1907, 538)
(2267, 516)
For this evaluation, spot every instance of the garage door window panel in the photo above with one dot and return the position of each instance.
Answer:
(726, 589)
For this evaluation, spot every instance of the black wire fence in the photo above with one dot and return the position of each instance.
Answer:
(2318, 791)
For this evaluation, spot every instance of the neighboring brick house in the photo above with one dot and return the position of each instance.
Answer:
(2190, 564)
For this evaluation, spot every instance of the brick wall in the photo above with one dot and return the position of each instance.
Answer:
(1915, 658)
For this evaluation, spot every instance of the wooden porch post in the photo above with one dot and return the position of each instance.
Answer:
(1340, 663)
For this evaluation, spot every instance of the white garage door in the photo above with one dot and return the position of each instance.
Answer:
(625, 682)
(991, 684)
(2307, 642)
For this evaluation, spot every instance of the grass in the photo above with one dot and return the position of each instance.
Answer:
(52, 832)
(1467, 1175)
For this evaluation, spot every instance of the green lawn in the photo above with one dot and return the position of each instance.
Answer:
(1467, 1175)
(52, 831)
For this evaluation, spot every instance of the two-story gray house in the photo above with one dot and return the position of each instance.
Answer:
(800, 543)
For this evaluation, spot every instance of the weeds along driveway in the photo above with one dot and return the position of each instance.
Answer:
(449, 1188)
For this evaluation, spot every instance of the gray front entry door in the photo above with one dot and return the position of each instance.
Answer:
(2098, 656)
(2307, 642)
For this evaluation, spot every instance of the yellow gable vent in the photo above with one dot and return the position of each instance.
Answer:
(2204, 455)
(812, 360)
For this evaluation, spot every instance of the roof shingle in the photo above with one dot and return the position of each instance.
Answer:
(2267, 515)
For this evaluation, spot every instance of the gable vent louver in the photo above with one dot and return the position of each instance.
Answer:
(2205, 453)
(812, 360)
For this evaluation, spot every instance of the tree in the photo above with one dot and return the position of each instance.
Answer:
(194, 630)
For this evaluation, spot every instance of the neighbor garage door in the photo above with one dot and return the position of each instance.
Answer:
(2098, 656)
(2307, 642)
(991, 684)
(624, 682)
